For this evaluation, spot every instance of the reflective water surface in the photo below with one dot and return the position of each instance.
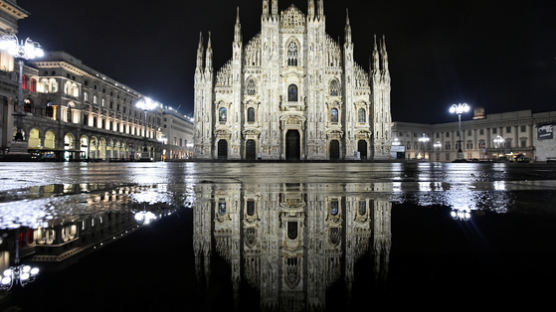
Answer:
(309, 237)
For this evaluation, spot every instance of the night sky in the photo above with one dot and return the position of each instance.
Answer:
(499, 55)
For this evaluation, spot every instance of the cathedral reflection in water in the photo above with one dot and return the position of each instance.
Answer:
(291, 242)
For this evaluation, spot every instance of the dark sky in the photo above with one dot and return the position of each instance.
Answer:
(500, 55)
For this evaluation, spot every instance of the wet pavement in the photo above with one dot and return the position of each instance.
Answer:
(287, 237)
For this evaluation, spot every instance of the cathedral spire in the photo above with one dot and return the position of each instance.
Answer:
(311, 9)
(321, 8)
(208, 61)
(384, 54)
(237, 32)
(348, 28)
(275, 8)
(265, 8)
(200, 52)
(376, 60)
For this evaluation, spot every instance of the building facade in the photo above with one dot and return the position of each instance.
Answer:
(10, 14)
(73, 112)
(485, 137)
(178, 132)
(292, 93)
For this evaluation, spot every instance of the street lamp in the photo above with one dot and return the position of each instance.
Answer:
(146, 104)
(460, 109)
(499, 141)
(424, 140)
(437, 146)
(21, 51)
(18, 274)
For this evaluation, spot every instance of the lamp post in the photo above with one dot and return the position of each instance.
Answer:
(18, 274)
(21, 51)
(460, 109)
(146, 104)
(424, 140)
(499, 143)
(437, 146)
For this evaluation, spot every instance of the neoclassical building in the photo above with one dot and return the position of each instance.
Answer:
(292, 93)
(73, 112)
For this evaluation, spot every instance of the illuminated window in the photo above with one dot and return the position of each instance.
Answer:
(53, 85)
(25, 82)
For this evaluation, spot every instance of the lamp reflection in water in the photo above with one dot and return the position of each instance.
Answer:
(461, 213)
(19, 274)
(145, 217)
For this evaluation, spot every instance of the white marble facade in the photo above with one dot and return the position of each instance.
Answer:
(292, 93)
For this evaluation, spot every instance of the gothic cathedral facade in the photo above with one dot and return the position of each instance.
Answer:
(292, 93)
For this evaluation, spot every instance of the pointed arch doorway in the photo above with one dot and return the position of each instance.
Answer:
(222, 150)
(250, 150)
(334, 150)
(362, 149)
(293, 145)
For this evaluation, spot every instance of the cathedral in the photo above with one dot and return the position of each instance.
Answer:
(292, 93)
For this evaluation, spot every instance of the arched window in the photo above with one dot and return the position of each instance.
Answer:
(53, 85)
(292, 93)
(251, 87)
(95, 99)
(292, 54)
(334, 88)
(222, 114)
(362, 115)
(75, 90)
(334, 115)
(250, 114)
(67, 88)
(43, 86)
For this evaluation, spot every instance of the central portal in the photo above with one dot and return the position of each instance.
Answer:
(293, 146)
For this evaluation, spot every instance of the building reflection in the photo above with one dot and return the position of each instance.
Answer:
(291, 242)
(107, 214)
